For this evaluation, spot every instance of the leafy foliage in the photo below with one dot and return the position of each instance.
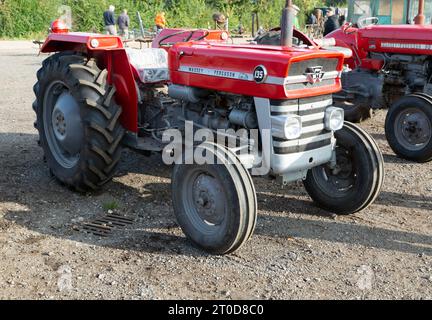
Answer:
(28, 18)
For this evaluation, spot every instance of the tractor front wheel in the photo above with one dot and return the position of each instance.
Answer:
(215, 204)
(355, 181)
(78, 121)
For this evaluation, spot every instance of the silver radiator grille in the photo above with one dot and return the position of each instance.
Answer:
(312, 73)
(327, 64)
(312, 111)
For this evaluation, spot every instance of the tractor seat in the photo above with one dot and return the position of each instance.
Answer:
(151, 64)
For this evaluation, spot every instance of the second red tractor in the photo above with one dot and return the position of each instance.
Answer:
(391, 67)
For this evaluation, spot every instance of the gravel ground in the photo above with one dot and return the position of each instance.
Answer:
(297, 252)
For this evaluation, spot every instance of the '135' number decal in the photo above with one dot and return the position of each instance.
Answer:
(260, 74)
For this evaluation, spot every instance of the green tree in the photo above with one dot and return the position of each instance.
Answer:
(31, 18)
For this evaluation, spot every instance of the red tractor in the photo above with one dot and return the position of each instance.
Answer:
(391, 67)
(94, 97)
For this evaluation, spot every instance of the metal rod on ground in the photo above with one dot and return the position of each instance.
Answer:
(287, 24)
(141, 24)
(420, 18)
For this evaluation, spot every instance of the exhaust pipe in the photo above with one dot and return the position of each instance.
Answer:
(287, 24)
(420, 18)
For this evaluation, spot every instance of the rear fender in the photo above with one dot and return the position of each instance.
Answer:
(80, 42)
(120, 75)
(109, 54)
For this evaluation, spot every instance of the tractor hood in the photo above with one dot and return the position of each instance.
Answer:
(272, 72)
(403, 39)
(399, 32)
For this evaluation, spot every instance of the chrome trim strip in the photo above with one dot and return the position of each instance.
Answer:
(314, 116)
(217, 73)
(303, 106)
(302, 79)
(313, 128)
(314, 105)
(249, 76)
(300, 142)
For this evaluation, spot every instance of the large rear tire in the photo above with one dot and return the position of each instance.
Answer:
(215, 204)
(356, 180)
(408, 127)
(354, 112)
(78, 121)
(354, 98)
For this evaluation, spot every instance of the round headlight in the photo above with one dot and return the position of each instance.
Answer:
(293, 127)
(334, 118)
(94, 43)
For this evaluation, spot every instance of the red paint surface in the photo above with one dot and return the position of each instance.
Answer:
(244, 59)
(372, 38)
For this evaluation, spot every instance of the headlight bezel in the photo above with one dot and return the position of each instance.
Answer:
(331, 114)
(293, 120)
(282, 126)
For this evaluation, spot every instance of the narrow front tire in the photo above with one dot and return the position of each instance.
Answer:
(356, 180)
(215, 204)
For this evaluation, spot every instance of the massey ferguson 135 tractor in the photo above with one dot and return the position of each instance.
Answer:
(94, 97)
(391, 67)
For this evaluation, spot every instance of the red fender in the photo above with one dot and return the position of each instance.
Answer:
(110, 54)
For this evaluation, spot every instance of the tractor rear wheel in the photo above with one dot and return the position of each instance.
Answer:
(78, 121)
(354, 111)
(215, 204)
(356, 180)
(354, 98)
(408, 127)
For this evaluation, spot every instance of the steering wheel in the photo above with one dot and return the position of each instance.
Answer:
(347, 26)
(363, 22)
(300, 36)
(185, 39)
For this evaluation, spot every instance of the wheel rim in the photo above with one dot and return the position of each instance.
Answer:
(62, 124)
(339, 180)
(204, 201)
(413, 129)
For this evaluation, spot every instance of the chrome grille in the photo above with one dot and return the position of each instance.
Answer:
(297, 75)
(303, 84)
(298, 68)
(312, 112)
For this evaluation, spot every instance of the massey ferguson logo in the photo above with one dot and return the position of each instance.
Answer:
(314, 74)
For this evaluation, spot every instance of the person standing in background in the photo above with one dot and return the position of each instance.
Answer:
(160, 21)
(332, 22)
(123, 22)
(110, 21)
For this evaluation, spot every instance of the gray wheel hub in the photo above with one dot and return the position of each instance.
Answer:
(415, 128)
(209, 199)
(339, 179)
(63, 126)
(67, 124)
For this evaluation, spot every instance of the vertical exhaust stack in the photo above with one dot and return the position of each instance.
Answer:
(420, 18)
(287, 24)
